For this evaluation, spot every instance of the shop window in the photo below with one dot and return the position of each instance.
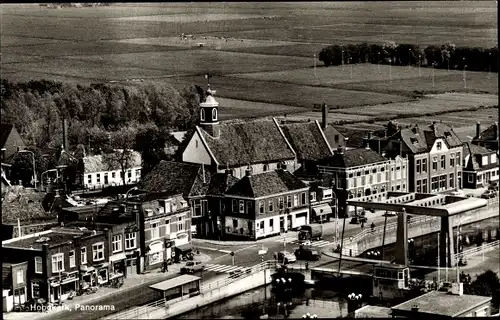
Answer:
(35, 289)
(38, 265)
(235, 223)
(98, 251)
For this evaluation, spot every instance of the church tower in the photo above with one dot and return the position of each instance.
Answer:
(209, 115)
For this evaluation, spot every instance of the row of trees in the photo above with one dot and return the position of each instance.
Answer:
(102, 119)
(447, 56)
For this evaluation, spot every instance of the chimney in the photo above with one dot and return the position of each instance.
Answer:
(324, 116)
(65, 134)
(478, 129)
(370, 134)
(229, 172)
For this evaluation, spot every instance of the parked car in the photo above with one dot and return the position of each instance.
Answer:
(192, 267)
(285, 257)
(309, 254)
(238, 273)
(493, 186)
(488, 194)
(456, 193)
(358, 220)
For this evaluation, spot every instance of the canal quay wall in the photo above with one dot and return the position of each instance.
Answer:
(209, 296)
(425, 226)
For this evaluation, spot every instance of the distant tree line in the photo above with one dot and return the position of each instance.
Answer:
(101, 118)
(447, 56)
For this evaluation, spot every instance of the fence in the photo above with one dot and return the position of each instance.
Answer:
(136, 312)
(478, 250)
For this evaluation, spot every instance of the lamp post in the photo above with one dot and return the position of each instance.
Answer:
(378, 60)
(336, 214)
(126, 194)
(419, 64)
(409, 59)
(465, 76)
(390, 69)
(350, 62)
(433, 65)
(342, 62)
(34, 167)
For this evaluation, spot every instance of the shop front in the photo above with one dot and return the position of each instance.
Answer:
(117, 262)
(62, 285)
(169, 250)
(322, 213)
(182, 251)
(88, 277)
(154, 257)
(131, 263)
(102, 272)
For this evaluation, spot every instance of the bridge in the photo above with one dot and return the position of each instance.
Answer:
(440, 206)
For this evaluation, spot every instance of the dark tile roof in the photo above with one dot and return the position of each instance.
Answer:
(307, 140)
(421, 138)
(4, 133)
(155, 205)
(353, 158)
(442, 303)
(176, 177)
(491, 133)
(116, 212)
(6, 275)
(266, 184)
(220, 183)
(476, 151)
(243, 143)
(23, 204)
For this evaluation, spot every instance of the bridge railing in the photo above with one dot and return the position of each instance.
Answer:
(136, 312)
(478, 250)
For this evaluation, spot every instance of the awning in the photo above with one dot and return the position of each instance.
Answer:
(322, 209)
(155, 247)
(174, 282)
(185, 247)
(117, 257)
(55, 284)
(86, 268)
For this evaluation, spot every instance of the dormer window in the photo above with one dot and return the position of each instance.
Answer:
(439, 145)
(214, 114)
(202, 115)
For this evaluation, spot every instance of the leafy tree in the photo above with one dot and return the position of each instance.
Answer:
(486, 284)
(22, 165)
(150, 142)
(122, 156)
(331, 56)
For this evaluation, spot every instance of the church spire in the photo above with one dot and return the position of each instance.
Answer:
(209, 112)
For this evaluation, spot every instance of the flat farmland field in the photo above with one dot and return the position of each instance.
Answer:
(308, 50)
(233, 109)
(287, 94)
(333, 116)
(197, 61)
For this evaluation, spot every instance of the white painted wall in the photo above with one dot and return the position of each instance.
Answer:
(117, 180)
(196, 152)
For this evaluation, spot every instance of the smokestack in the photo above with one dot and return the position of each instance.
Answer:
(65, 134)
(478, 129)
(324, 116)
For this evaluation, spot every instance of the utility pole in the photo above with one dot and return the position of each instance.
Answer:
(314, 65)
(342, 245)
(439, 258)
(383, 237)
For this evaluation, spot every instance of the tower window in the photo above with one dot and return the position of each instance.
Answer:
(202, 115)
(214, 114)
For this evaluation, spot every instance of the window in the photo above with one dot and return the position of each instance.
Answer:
(470, 178)
(98, 176)
(439, 145)
(418, 166)
(202, 115)
(271, 225)
(19, 276)
(249, 206)
(350, 175)
(235, 223)
(214, 114)
(442, 181)
(98, 251)
(379, 177)
(180, 226)
(288, 201)
(265, 168)
(363, 180)
(261, 225)
(242, 206)
(295, 200)
(313, 196)
(130, 241)
(424, 186)
(196, 143)
(303, 198)
(72, 262)
(117, 243)
(235, 205)
(35, 289)
(434, 163)
(58, 262)
(458, 158)
(270, 205)
(374, 170)
(367, 172)
(424, 165)
(261, 206)
(129, 173)
(434, 183)
(443, 161)
(419, 187)
(452, 160)
(89, 178)
(83, 255)
(38, 265)
(281, 202)
(358, 174)
(452, 180)
(371, 179)
(113, 175)
(106, 180)
(336, 138)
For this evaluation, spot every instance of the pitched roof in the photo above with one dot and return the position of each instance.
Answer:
(220, 183)
(265, 184)
(243, 143)
(421, 139)
(330, 133)
(307, 140)
(4, 133)
(98, 164)
(66, 159)
(475, 151)
(176, 177)
(353, 158)
(178, 204)
(23, 204)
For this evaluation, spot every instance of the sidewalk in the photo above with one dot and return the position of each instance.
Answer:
(129, 284)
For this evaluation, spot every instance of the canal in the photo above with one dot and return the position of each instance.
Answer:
(328, 303)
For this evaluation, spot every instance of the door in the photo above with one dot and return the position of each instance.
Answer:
(282, 224)
(289, 222)
(131, 266)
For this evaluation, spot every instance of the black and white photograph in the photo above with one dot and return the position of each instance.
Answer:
(249, 160)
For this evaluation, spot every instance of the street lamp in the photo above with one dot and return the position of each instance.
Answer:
(433, 65)
(350, 62)
(409, 59)
(465, 76)
(419, 63)
(34, 167)
(378, 60)
(390, 69)
(336, 214)
(130, 190)
(342, 62)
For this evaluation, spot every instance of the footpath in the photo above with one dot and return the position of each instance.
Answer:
(132, 286)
